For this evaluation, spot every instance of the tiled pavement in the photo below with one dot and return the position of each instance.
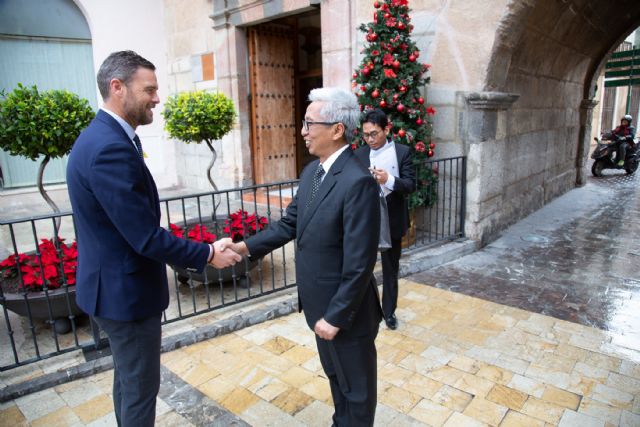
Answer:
(455, 361)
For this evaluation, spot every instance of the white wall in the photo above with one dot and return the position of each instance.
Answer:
(139, 26)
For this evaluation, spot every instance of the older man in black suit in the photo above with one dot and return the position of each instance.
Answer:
(392, 166)
(335, 219)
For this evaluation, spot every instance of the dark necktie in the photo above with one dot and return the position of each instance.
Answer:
(315, 184)
(136, 140)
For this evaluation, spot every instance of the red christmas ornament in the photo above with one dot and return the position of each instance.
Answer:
(412, 58)
(355, 75)
(363, 88)
(432, 145)
(396, 64)
(430, 153)
(420, 146)
(400, 108)
(366, 71)
(421, 100)
(403, 89)
(387, 15)
(419, 121)
(402, 133)
(401, 26)
(370, 65)
(416, 53)
(371, 37)
(383, 103)
(395, 97)
(375, 93)
(385, 6)
(376, 4)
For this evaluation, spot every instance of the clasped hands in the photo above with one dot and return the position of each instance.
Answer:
(226, 253)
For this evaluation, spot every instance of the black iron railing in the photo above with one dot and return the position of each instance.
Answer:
(42, 324)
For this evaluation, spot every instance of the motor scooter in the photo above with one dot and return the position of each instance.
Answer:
(604, 158)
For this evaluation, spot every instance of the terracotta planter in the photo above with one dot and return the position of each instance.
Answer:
(38, 306)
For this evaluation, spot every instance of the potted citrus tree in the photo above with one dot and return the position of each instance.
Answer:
(196, 117)
(42, 125)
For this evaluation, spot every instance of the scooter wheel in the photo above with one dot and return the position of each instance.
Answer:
(597, 168)
(632, 167)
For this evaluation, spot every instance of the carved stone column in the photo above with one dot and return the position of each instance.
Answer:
(586, 115)
(484, 125)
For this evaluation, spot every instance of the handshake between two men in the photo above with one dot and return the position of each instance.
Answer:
(226, 253)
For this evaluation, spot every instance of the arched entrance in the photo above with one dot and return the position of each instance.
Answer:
(47, 44)
(528, 133)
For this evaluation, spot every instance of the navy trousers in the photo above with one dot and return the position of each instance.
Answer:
(350, 365)
(135, 347)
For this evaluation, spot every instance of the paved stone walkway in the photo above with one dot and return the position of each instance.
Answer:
(455, 361)
(540, 328)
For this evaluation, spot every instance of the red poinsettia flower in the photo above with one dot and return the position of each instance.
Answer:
(176, 231)
(199, 233)
(431, 111)
(387, 59)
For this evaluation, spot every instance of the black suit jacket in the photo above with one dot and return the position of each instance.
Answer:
(405, 184)
(337, 244)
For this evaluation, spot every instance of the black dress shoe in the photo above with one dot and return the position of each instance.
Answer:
(392, 322)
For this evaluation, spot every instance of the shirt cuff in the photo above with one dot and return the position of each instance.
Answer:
(211, 253)
(391, 180)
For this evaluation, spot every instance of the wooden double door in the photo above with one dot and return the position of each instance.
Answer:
(278, 101)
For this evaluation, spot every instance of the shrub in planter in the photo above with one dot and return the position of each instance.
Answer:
(34, 124)
(199, 116)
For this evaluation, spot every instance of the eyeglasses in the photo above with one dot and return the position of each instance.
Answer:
(373, 135)
(307, 123)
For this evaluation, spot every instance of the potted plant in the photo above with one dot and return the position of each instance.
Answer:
(42, 284)
(237, 226)
(35, 124)
(199, 116)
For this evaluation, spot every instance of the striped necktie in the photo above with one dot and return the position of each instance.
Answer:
(136, 140)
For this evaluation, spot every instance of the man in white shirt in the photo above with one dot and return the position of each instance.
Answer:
(391, 165)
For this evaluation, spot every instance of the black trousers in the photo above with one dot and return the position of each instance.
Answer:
(135, 347)
(390, 266)
(350, 365)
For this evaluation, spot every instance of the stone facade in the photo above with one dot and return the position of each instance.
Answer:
(513, 83)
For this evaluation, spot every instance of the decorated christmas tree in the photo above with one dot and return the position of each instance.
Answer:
(390, 77)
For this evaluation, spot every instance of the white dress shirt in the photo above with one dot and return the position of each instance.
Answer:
(385, 158)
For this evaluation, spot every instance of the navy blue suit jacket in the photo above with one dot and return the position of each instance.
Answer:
(122, 250)
(337, 245)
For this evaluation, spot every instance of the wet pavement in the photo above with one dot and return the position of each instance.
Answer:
(576, 259)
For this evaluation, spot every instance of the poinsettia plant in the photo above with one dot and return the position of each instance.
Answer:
(239, 225)
(49, 266)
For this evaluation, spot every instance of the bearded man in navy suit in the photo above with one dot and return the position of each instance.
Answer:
(122, 250)
(392, 166)
(335, 219)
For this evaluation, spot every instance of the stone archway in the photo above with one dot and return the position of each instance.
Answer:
(528, 133)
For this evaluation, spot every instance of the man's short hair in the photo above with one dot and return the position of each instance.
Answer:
(376, 117)
(120, 65)
(340, 106)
